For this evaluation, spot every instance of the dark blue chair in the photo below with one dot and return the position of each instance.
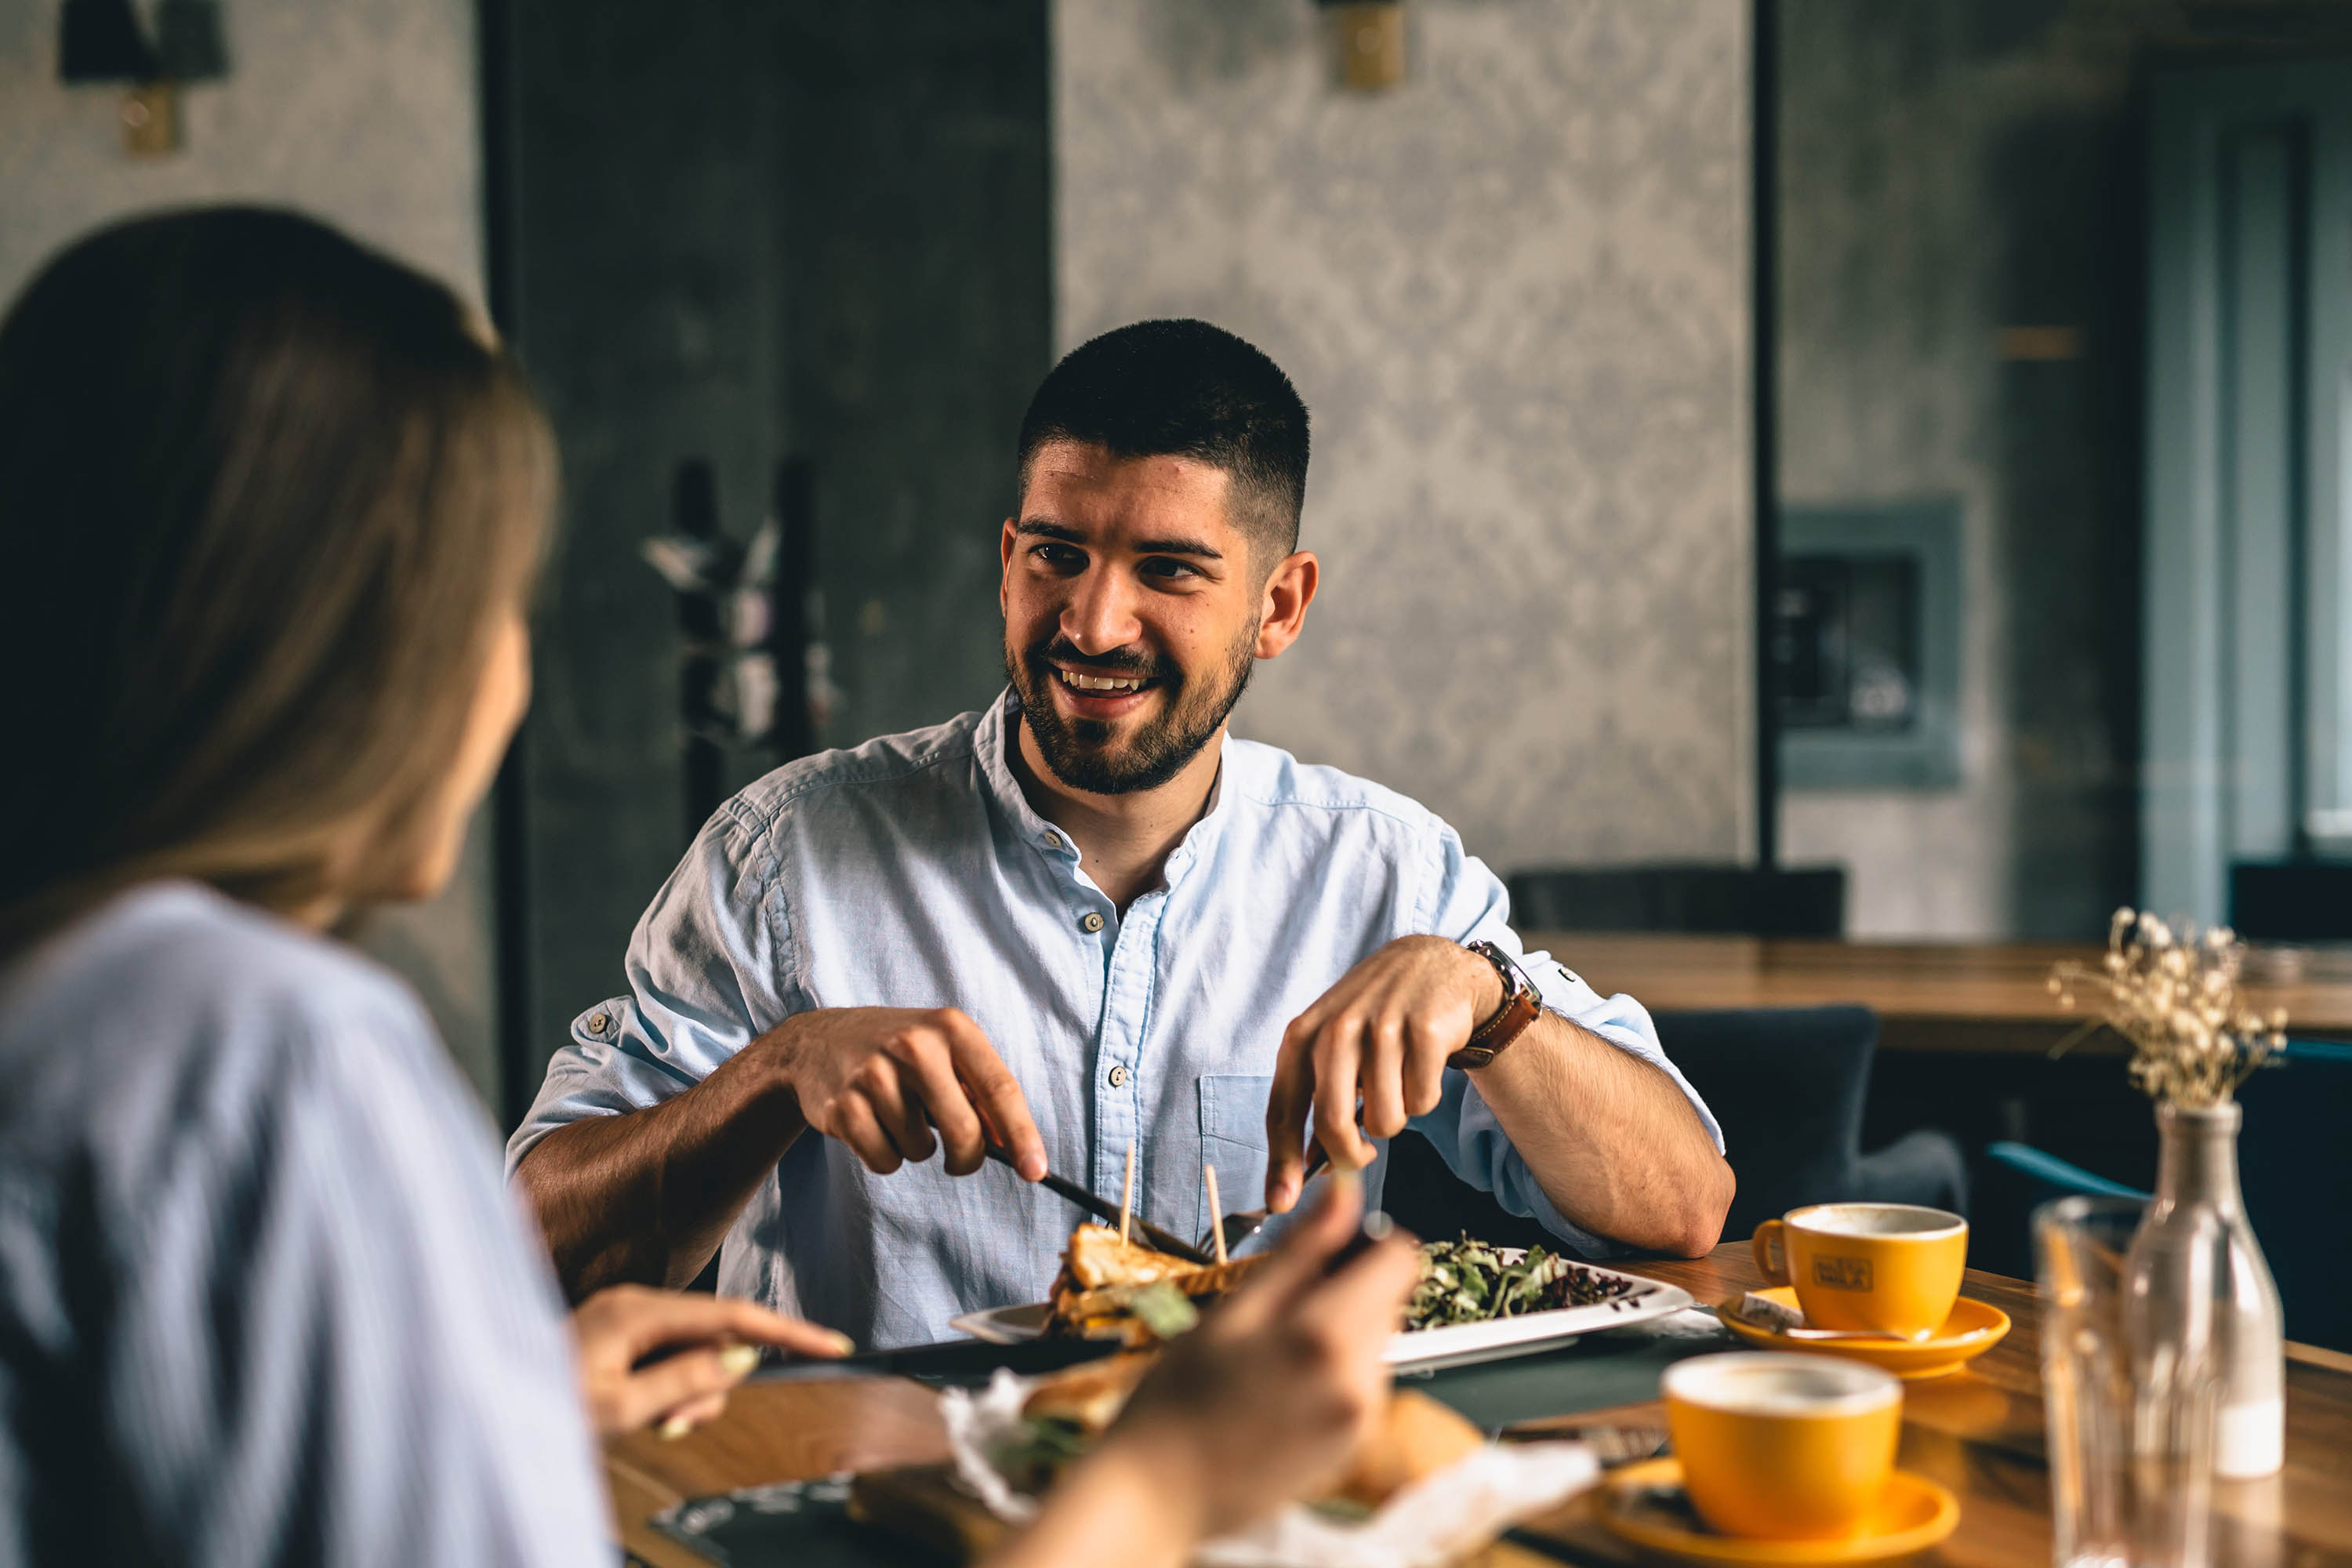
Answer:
(2291, 1167)
(1788, 1086)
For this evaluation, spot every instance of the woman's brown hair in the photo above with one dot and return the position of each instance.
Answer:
(264, 497)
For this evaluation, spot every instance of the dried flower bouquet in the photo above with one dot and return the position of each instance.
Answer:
(2173, 993)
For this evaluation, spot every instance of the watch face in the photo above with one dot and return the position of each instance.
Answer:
(1515, 979)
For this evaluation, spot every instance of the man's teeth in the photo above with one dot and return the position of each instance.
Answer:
(1103, 682)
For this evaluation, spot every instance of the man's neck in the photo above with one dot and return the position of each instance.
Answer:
(1123, 840)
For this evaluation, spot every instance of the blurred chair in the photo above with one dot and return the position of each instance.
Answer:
(2295, 900)
(2296, 1183)
(1788, 1086)
(1710, 900)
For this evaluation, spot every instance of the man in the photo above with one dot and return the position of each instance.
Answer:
(1086, 921)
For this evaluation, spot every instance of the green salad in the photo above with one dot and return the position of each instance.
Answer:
(1467, 1282)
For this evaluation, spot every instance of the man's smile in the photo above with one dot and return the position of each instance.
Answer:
(1085, 682)
(1099, 693)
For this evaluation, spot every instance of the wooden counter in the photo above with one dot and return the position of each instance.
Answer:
(1929, 997)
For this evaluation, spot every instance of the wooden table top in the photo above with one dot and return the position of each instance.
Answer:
(1979, 1432)
(1946, 996)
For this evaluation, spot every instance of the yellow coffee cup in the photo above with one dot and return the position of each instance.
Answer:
(1782, 1447)
(1895, 1268)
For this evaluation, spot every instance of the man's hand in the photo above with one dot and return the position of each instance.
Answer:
(893, 1083)
(646, 1196)
(1610, 1138)
(1384, 1033)
(616, 1328)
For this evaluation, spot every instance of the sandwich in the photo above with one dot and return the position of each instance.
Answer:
(1113, 1289)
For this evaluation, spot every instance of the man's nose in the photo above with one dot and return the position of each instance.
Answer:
(1100, 614)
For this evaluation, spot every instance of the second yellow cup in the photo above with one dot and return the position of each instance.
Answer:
(1784, 1448)
(1895, 1268)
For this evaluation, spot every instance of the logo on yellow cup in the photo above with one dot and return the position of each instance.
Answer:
(1842, 1273)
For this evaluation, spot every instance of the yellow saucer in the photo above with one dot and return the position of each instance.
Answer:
(1913, 1514)
(1974, 1328)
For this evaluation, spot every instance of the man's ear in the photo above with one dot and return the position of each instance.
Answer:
(1004, 577)
(1282, 613)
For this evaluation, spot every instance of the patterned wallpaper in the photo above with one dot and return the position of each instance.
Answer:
(362, 112)
(1514, 293)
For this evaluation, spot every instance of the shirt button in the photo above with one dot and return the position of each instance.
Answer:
(1053, 841)
(599, 1024)
(1090, 922)
(1119, 1078)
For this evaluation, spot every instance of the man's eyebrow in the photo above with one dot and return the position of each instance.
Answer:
(1171, 546)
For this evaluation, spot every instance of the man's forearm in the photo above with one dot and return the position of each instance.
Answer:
(1610, 1138)
(646, 1198)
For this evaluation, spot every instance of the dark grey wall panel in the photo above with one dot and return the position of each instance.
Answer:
(740, 230)
(919, 249)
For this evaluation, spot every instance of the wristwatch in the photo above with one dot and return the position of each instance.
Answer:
(1521, 1005)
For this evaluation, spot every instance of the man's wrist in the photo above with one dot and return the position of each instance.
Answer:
(777, 1057)
(1487, 991)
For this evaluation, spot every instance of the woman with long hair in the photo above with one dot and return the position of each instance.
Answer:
(271, 506)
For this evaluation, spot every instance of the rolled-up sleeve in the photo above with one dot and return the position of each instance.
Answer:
(1467, 902)
(708, 969)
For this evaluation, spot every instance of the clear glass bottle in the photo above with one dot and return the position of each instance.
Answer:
(2196, 1269)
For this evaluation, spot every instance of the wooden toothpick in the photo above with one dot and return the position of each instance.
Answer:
(1127, 1197)
(1216, 1213)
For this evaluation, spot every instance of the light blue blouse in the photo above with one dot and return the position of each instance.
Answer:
(911, 872)
(263, 1297)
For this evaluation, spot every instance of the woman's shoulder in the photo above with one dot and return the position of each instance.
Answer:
(182, 953)
(173, 1009)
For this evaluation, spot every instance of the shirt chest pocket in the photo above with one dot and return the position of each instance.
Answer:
(1232, 1139)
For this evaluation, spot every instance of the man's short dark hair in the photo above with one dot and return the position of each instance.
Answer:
(1184, 388)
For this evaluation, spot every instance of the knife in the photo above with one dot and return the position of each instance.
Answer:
(1101, 1210)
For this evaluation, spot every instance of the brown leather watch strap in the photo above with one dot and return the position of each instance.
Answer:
(1521, 1006)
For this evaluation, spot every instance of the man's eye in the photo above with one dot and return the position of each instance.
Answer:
(1060, 557)
(1161, 566)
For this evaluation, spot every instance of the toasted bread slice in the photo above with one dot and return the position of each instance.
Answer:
(1193, 1279)
(1098, 1258)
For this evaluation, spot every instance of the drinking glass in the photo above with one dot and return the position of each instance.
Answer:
(2129, 1387)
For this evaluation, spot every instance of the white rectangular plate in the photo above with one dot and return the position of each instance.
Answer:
(1463, 1344)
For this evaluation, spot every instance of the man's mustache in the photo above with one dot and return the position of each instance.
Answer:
(1058, 649)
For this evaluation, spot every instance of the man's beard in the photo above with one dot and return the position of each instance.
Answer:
(1079, 750)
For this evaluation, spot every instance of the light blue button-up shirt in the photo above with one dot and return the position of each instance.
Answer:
(912, 872)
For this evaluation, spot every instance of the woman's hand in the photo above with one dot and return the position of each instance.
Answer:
(1263, 1403)
(717, 1340)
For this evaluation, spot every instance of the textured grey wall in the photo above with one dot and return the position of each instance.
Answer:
(363, 112)
(1514, 292)
(1950, 168)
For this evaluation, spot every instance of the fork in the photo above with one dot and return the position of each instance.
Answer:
(1239, 1227)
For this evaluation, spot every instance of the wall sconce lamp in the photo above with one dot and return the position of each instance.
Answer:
(101, 41)
(1369, 37)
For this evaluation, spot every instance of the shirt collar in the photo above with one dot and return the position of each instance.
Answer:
(999, 728)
